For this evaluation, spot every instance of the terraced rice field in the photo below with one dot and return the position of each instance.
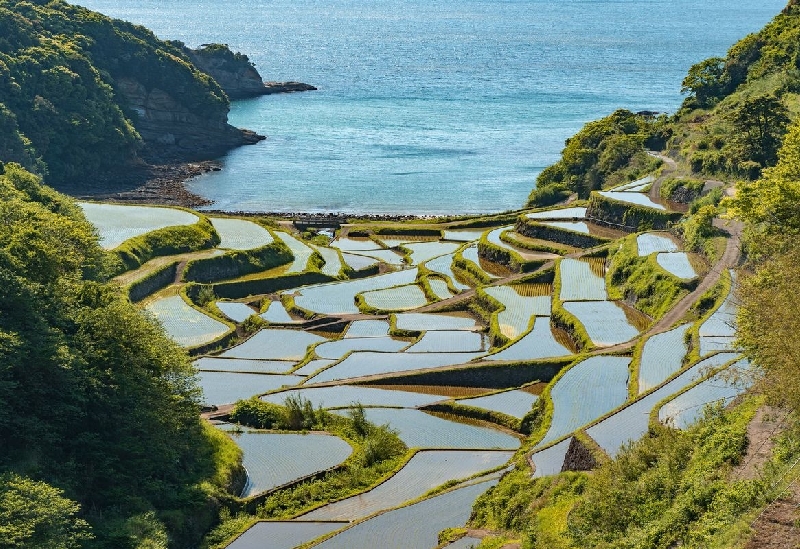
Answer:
(636, 186)
(212, 364)
(300, 251)
(677, 263)
(226, 387)
(339, 297)
(343, 396)
(550, 460)
(368, 363)
(116, 224)
(313, 366)
(238, 312)
(575, 226)
(187, 326)
(283, 534)
(466, 542)
(516, 317)
(273, 459)
(439, 288)
(367, 328)
(400, 298)
(537, 344)
(425, 471)
(337, 349)
(585, 392)
(425, 251)
(355, 244)
(276, 314)
(420, 430)
(605, 321)
(240, 234)
(723, 322)
(650, 243)
(333, 264)
(463, 235)
(512, 403)
(359, 262)
(579, 282)
(632, 198)
(444, 265)
(632, 422)
(275, 344)
(712, 344)
(457, 341)
(431, 321)
(414, 527)
(562, 213)
(720, 389)
(389, 257)
(662, 356)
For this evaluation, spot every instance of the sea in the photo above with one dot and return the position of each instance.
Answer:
(434, 107)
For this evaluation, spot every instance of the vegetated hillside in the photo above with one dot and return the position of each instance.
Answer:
(82, 94)
(102, 445)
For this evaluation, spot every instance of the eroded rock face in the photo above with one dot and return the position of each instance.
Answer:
(170, 130)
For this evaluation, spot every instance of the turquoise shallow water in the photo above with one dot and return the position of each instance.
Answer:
(433, 107)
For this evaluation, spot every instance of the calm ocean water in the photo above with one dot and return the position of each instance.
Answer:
(435, 106)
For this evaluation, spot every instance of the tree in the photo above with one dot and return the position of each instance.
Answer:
(759, 125)
(706, 81)
(35, 515)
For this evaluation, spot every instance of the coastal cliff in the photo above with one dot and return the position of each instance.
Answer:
(235, 73)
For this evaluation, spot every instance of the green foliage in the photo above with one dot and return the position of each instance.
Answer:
(97, 401)
(759, 124)
(698, 228)
(641, 281)
(682, 189)
(237, 263)
(591, 156)
(153, 282)
(706, 82)
(259, 414)
(167, 241)
(37, 515)
(630, 216)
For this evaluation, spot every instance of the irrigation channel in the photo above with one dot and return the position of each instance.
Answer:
(450, 333)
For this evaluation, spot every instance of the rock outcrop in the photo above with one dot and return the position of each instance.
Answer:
(235, 74)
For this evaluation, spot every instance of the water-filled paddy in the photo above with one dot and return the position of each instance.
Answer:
(283, 534)
(463, 235)
(632, 422)
(226, 387)
(457, 341)
(512, 403)
(649, 243)
(313, 366)
(343, 396)
(444, 265)
(275, 344)
(240, 234)
(355, 244)
(238, 312)
(425, 471)
(550, 460)
(333, 264)
(368, 363)
(723, 322)
(425, 251)
(420, 430)
(116, 224)
(337, 349)
(536, 344)
(212, 364)
(301, 252)
(400, 298)
(713, 344)
(276, 313)
(587, 391)
(685, 409)
(677, 263)
(562, 213)
(186, 325)
(575, 226)
(516, 317)
(632, 198)
(432, 321)
(414, 527)
(439, 288)
(662, 356)
(636, 186)
(273, 459)
(579, 282)
(367, 328)
(359, 262)
(605, 321)
(339, 297)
